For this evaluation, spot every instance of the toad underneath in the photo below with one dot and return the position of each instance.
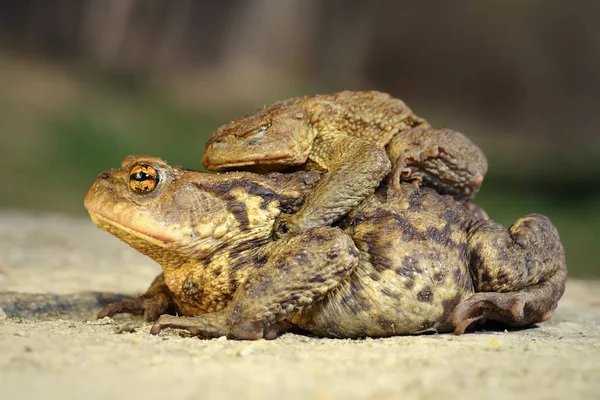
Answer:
(406, 260)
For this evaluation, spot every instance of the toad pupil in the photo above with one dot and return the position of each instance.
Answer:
(141, 176)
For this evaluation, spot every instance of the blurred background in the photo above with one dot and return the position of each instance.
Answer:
(83, 83)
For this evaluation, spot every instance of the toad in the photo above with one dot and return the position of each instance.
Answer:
(355, 137)
(404, 261)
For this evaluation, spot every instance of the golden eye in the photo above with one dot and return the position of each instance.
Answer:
(143, 178)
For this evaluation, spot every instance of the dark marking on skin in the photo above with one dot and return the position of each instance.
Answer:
(315, 238)
(458, 276)
(387, 292)
(425, 295)
(251, 186)
(225, 187)
(409, 269)
(486, 279)
(441, 236)
(452, 217)
(503, 254)
(409, 232)
(233, 283)
(362, 303)
(317, 278)
(259, 287)
(449, 305)
(379, 261)
(332, 255)
(415, 200)
(370, 238)
(502, 277)
(283, 265)
(356, 287)
(385, 323)
(476, 263)
(207, 259)
(353, 299)
(462, 250)
(439, 276)
(357, 218)
(294, 297)
(426, 325)
(252, 260)
(353, 251)
(301, 258)
(347, 299)
(375, 275)
(191, 289)
(380, 216)
(521, 241)
(409, 265)
(238, 209)
(526, 224)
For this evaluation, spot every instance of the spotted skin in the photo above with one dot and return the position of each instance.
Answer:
(412, 272)
(407, 260)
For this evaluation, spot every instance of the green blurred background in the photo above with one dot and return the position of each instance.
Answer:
(83, 83)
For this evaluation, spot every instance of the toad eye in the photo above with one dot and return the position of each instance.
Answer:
(143, 178)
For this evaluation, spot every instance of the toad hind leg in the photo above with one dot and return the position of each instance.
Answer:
(301, 269)
(520, 273)
(442, 159)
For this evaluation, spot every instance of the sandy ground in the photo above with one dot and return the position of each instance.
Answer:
(52, 347)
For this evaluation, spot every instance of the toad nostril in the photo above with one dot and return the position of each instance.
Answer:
(104, 175)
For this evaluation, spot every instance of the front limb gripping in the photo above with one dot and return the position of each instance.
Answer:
(355, 169)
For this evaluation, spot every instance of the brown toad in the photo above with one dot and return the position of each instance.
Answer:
(404, 261)
(353, 136)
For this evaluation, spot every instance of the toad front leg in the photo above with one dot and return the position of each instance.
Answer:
(302, 268)
(355, 168)
(520, 273)
(157, 300)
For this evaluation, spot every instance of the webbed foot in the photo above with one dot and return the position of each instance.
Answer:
(532, 305)
(214, 325)
(197, 326)
(155, 302)
(404, 174)
(481, 307)
(150, 308)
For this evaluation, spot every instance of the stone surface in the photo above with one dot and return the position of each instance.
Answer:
(59, 264)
